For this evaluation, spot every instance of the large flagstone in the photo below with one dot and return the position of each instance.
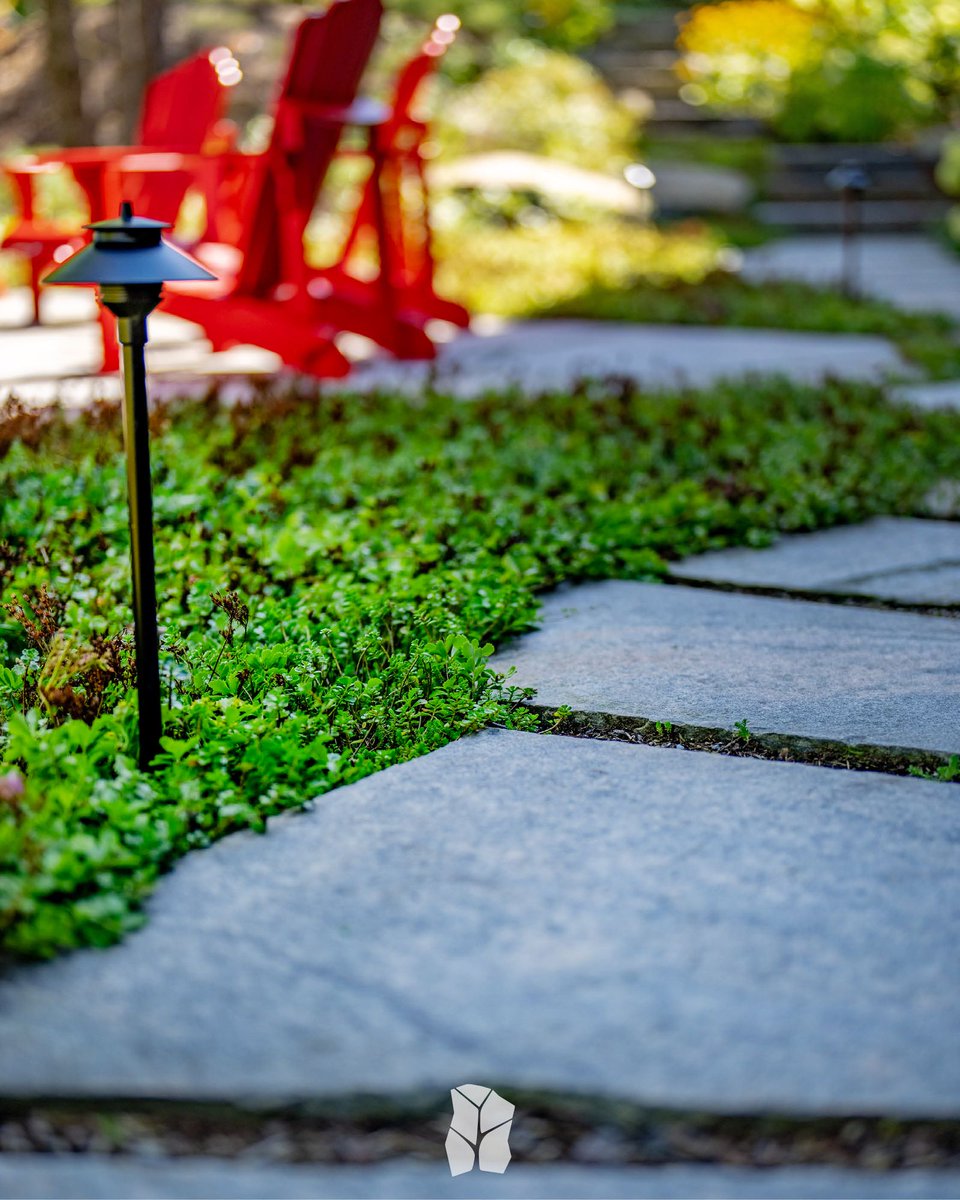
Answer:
(671, 927)
(88, 1177)
(707, 658)
(892, 558)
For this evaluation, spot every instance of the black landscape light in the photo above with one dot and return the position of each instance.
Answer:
(129, 262)
(851, 180)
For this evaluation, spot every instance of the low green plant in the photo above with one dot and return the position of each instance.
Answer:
(742, 730)
(540, 102)
(566, 24)
(524, 271)
(333, 572)
(943, 774)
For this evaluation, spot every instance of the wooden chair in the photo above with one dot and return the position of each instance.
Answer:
(394, 207)
(271, 297)
(181, 111)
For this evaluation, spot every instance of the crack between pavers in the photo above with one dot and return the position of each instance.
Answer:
(937, 565)
(947, 610)
(774, 747)
(548, 1126)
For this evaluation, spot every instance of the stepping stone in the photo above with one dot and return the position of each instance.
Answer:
(672, 928)
(931, 396)
(910, 270)
(540, 355)
(82, 1176)
(892, 558)
(698, 657)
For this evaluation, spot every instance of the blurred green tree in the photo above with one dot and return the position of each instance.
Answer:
(561, 24)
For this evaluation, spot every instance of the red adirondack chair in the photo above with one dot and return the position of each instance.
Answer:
(273, 298)
(181, 109)
(394, 207)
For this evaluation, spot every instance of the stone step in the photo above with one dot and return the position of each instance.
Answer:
(708, 659)
(656, 81)
(614, 54)
(669, 928)
(890, 558)
(821, 156)
(650, 30)
(889, 215)
(673, 115)
(909, 183)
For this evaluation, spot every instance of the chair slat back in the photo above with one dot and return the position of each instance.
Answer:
(180, 109)
(181, 106)
(327, 61)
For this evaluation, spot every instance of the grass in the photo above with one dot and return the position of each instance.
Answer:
(608, 271)
(333, 573)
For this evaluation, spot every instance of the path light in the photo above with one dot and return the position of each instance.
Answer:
(129, 263)
(851, 180)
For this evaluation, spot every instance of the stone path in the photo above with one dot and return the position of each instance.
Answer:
(891, 558)
(56, 359)
(88, 1178)
(670, 927)
(912, 271)
(662, 926)
(709, 659)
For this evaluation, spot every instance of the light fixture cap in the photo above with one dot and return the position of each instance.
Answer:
(128, 251)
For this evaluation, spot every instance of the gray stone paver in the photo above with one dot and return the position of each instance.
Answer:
(539, 355)
(535, 354)
(708, 658)
(910, 270)
(894, 558)
(91, 1178)
(931, 396)
(665, 926)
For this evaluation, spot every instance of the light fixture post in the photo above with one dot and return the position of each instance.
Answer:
(129, 262)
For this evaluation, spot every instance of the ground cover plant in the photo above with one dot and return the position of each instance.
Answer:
(333, 572)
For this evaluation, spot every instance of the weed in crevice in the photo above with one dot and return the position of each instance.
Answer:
(947, 773)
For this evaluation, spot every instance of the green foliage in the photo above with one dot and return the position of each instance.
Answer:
(541, 102)
(565, 24)
(835, 70)
(948, 177)
(947, 773)
(855, 98)
(527, 269)
(333, 573)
